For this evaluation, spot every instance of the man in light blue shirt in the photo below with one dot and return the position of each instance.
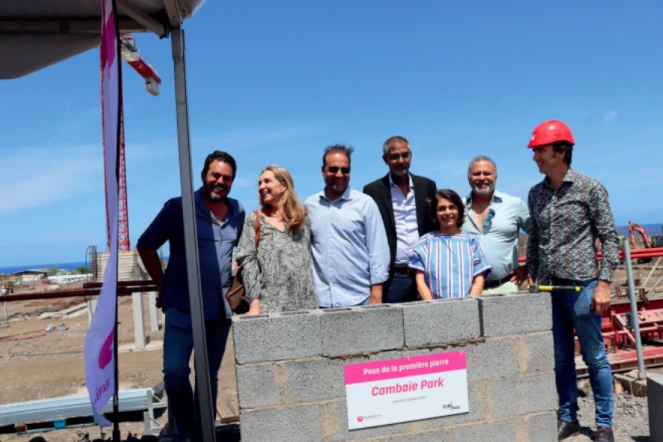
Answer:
(350, 249)
(496, 218)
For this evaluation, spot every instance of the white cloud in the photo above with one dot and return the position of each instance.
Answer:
(40, 176)
(611, 116)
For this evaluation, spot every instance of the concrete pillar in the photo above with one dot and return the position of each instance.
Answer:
(139, 321)
(154, 312)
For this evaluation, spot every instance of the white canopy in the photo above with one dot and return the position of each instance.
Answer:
(35, 34)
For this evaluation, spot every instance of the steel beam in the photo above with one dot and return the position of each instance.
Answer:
(90, 26)
(141, 17)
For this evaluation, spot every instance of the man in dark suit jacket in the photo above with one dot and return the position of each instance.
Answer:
(401, 198)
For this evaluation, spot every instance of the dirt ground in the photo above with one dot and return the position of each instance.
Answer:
(52, 366)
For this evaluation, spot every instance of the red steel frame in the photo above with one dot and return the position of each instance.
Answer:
(620, 340)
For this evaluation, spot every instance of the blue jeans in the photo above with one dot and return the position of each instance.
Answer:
(572, 310)
(400, 288)
(177, 350)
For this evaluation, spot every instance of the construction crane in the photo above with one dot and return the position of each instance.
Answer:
(632, 228)
(131, 55)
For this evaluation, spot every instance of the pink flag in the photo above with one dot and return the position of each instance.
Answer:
(99, 342)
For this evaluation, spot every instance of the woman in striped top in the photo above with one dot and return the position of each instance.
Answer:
(448, 263)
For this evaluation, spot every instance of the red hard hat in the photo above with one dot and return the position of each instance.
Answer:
(551, 131)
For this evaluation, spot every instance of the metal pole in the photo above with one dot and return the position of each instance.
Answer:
(634, 309)
(190, 240)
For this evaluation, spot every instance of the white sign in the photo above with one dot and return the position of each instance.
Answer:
(407, 389)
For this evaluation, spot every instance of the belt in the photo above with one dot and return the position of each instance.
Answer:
(496, 282)
(402, 270)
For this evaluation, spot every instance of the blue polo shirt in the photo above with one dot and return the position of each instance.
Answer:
(215, 247)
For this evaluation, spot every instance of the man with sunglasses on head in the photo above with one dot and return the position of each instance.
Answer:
(349, 244)
(401, 198)
(496, 218)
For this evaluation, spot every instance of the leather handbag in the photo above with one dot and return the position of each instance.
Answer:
(236, 296)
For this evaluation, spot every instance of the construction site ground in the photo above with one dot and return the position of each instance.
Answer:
(52, 366)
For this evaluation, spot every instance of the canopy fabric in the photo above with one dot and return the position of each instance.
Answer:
(35, 34)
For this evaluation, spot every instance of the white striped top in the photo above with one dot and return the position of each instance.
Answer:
(449, 263)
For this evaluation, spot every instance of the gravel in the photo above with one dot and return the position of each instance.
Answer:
(630, 419)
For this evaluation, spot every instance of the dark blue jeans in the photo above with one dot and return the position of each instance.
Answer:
(572, 310)
(400, 288)
(177, 350)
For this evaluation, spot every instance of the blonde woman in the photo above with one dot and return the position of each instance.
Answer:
(277, 274)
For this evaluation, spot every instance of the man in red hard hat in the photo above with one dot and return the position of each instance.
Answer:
(569, 212)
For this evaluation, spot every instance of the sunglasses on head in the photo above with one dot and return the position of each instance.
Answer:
(489, 220)
(335, 169)
(396, 156)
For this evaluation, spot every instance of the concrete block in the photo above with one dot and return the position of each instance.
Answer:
(480, 406)
(347, 331)
(523, 395)
(514, 314)
(336, 425)
(441, 322)
(429, 436)
(492, 359)
(289, 424)
(542, 427)
(256, 386)
(315, 380)
(499, 431)
(276, 337)
(398, 354)
(536, 353)
(655, 405)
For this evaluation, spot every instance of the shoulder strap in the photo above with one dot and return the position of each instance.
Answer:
(257, 212)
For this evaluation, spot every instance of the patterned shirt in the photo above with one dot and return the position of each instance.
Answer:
(279, 271)
(449, 263)
(565, 225)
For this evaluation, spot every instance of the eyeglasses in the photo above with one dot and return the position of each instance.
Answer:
(489, 221)
(396, 156)
(335, 169)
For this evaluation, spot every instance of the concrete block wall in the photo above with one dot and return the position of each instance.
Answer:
(290, 376)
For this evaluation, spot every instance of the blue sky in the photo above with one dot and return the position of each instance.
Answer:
(275, 82)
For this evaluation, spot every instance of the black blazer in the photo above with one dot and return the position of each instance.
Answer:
(380, 191)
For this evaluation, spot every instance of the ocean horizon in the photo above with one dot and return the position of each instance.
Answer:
(61, 266)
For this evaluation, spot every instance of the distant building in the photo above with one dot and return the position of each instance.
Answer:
(29, 274)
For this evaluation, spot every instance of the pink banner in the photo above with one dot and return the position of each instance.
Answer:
(404, 367)
(99, 342)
